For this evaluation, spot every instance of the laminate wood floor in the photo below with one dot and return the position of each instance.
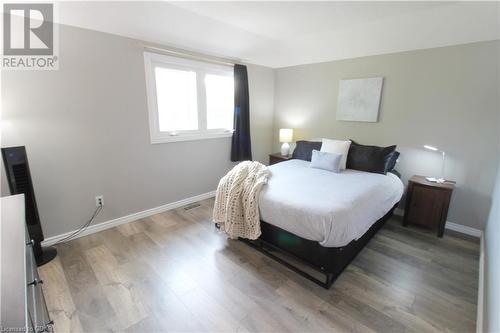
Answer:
(173, 272)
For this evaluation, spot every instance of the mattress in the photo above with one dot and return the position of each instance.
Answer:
(330, 208)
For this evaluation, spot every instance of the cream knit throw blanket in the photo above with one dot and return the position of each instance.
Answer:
(236, 207)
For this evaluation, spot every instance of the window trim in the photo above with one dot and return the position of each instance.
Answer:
(153, 60)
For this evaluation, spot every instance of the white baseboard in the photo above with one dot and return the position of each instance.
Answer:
(480, 289)
(160, 209)
(463, 229)
(130, 218)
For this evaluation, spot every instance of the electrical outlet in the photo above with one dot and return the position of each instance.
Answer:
(99, 200)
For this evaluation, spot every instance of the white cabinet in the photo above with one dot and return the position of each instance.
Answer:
(22, 303)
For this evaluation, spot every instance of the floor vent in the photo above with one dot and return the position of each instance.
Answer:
(188, 207)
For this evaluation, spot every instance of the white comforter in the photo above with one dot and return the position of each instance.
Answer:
(332, 209)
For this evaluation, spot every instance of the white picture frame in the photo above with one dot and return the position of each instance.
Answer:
(359, 99)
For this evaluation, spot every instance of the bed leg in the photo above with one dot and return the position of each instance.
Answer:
(329, 280)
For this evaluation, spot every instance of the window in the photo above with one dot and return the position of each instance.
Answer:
(187, 99)
(176, 100)
(220, 101)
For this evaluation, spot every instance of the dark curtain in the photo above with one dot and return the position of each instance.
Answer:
(241, 148)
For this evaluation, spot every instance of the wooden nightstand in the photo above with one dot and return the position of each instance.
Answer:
(427, 203)
(277, 157)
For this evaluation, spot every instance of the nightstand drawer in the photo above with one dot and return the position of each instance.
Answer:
(426, 207)
(276, 158)
(427, 203)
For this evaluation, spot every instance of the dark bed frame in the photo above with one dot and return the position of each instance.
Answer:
(329, 261)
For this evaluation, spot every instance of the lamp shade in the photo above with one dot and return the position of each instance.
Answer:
(431, 148)
(286, 135)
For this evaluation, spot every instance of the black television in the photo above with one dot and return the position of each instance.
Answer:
(19, 178)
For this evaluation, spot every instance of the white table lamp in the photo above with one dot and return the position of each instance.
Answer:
(441, 179)
(286, 136)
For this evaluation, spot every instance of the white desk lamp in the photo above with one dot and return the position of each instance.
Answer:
(432, 179)
(286, 136)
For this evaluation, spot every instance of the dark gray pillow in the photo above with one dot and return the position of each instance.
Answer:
(393, 160)
(303, 149)
(371, 158)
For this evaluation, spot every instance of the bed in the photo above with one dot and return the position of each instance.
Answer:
(321, 219)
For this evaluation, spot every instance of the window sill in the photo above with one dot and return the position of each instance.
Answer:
(189, 137)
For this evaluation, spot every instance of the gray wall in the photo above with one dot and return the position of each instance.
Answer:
(261, 90)
(491, 291)
(491, 319)
(86, 130)
(445, 97)
(86, 126)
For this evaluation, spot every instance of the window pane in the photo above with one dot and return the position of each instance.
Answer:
(176, 98)
(220, 101)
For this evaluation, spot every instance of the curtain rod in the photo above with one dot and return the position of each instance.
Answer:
(187, 54)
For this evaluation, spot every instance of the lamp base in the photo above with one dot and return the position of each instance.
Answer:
(435, 180)
(285, 149)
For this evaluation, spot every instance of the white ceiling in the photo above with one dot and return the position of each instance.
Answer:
(280, 34)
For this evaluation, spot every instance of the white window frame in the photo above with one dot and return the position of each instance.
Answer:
(153, 60)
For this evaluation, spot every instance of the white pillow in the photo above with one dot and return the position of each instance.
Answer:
(337, 147)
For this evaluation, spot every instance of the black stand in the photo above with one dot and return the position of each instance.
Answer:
(43, 254)
(48, 253)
